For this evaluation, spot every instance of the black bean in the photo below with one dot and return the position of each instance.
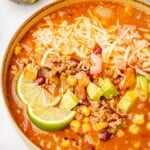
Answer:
(105, 135)
(91, 148)
(97, 49)
(86, 102)
(40, 80)
(89, 75)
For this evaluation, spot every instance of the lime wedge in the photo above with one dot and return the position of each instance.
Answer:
(49, 118)
(28, 91)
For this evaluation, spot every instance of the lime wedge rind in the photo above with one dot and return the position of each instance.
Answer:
(41, 106)
(51, 123)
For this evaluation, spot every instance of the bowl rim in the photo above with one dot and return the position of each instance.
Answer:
(54, 5)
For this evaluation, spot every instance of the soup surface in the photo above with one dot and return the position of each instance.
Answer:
(80, 79)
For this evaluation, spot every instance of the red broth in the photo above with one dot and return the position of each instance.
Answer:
(120, 131)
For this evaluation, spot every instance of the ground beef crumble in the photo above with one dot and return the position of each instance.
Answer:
(105, 111)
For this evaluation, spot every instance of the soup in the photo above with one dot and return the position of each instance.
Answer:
(80, 79)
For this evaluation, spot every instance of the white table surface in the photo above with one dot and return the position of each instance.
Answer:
(11, 17)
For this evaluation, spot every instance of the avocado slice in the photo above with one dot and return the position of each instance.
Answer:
(108, 89)
(94, 92)
(69, 100)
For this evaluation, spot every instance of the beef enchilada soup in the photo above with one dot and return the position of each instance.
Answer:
(80, 79)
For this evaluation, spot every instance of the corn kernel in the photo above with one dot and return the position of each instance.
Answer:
(85, 110)
(86, 127)
(137, 144)
(112, 130)
(104, 22)
(86, 51)
(120, 133)
(17, 50)
(30, 75)
(86, 119)
(101, 125)
(39, 48)
(68, 57)
(65, 143)
(71, 80)
(148, 125)
(75, 125)
(128, 10)
(134, 129)
(138, 119)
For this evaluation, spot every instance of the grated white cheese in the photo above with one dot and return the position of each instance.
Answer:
(85, 32)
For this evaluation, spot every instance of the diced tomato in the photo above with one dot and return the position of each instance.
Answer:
(80, 92)
(85, 102)
(129, 79)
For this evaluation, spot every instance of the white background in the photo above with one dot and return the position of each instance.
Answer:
(11, 17)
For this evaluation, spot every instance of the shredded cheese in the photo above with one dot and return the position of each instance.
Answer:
(81, 36)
